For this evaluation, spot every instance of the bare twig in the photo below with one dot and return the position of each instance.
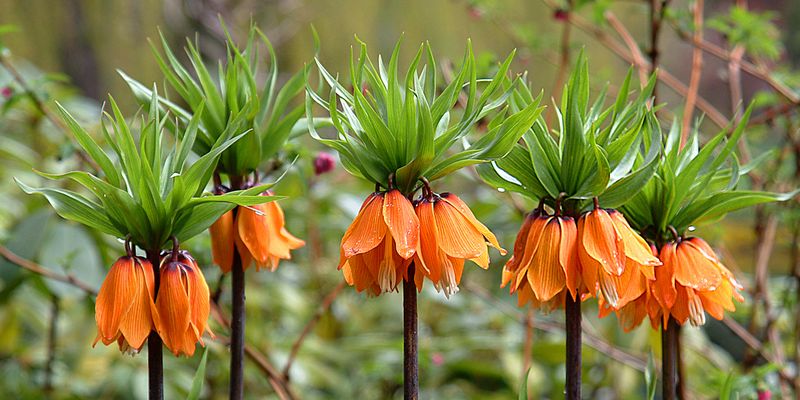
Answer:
(321, 310)
(42, 108)
(47, 273)
(273, 375)
(753, 343)
(696, 74)
(564, 49)
(759, 72)
(633, 48)
(590, 339)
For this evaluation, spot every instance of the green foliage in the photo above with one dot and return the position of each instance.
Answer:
(694, 184)
(233, 102)
(394, 125)
(151, 193)
(199, 378)
(595, 150)
(753, 30)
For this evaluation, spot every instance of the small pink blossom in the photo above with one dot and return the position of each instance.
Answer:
(7, 92)
(324, 162)
(437, 359)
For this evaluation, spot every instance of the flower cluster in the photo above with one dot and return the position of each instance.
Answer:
(258, 233)
(691, 282)
(437, 233)
(600, 255)
(128, 307)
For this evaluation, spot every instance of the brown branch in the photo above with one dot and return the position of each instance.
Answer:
(274, 377)
(696, 74)
(45, 272)
(564, 47)
(589, 339)
(756, 345)
(321, 310)
(757, 71)
(5, 61)
(633, 48)
(633, 56)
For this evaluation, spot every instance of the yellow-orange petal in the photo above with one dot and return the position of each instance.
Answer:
(694, 269)
(402, 223)
(173, 308)
(599, 241)
(200, 300)
(463, 208)
(546, 275)
(664, 289)
(428, 253)
(137, 323)
(115, 298)
(568, 256)
(457, 237)
(636, 248)
(367, 230)
(532, 241)
(244, 253)
(519, 243)
(222, 241)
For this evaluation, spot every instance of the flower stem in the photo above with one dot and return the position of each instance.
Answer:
(410, 338)
(572, 311)
(669, 360)
(237, 327)
(155, 365)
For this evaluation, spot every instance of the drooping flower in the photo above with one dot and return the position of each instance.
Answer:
(449, 235)
(379, 245)
(545, 264)
(183, 304)
(694, 282)
(613, 257)
(258, 232)
(124, 310)
(640, 302)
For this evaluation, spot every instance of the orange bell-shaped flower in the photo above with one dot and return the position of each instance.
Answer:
(183, 304)
(449, 235)
(378, 247)
(124, 308)
(545, 262)
(694, 282)
(614, 258)
(258, 232)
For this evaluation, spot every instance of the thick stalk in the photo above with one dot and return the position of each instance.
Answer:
(669, 360)
(237, 328)
(155, 365)
(572, 311)
(410, 336)
(679, 363)
(237, 314)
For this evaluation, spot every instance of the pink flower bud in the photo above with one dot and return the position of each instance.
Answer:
(437, 359)
(764, 394)
(561, 15)
(7, 92)
(324, 162)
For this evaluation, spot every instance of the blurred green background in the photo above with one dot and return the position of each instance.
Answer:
(472, 345)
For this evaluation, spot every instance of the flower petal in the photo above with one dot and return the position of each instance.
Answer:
(115, 298)
(635, 246)
(600, 241)
(694, 269)
(463, 208)
(402, 222)
(546, 275)
(367, 230)
(222, 241)
(137, 323)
